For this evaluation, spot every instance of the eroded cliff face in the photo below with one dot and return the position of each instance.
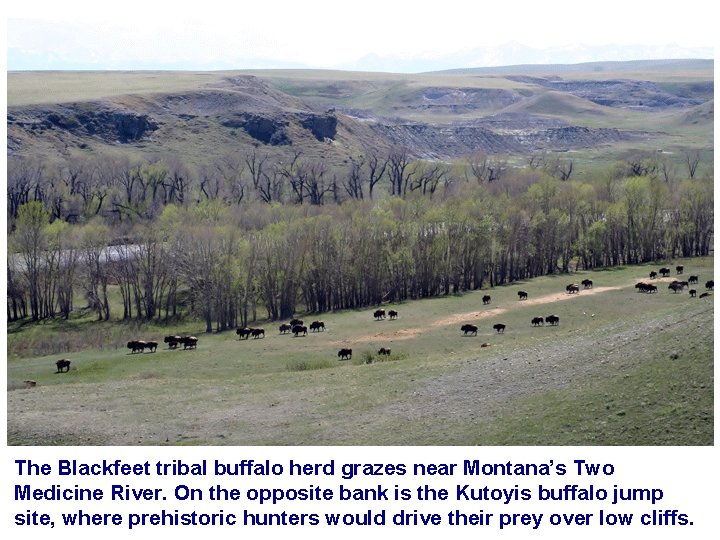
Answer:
(85, 120)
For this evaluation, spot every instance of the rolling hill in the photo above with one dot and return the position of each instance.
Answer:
(443, 115)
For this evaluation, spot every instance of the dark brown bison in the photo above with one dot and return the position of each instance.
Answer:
(172, 341)
(136, 345)
(675, 287)
(379, 314)
(664, 272)
(710, 284)
(552, 320)
(646, 287)
(522, 295)
(693, 279)
(692, 292)
(285, 328)
(486, 299)
(499, 328)
(653, 274)
(189, 342)
(392, 314)
(383, 351)
(587, 283)
(152, 345)
(62, 365)
(317, 326)
(469, 329)
(296, 322)
(705, 295)
(345, 354)
(572, 288)
(679, 268)
(537, 321)
(258, 332)
(244, 332)
(299, 329)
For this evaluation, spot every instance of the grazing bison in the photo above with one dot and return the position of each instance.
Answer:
(692, 292)
(572, 288)
(679, 268)
(296, 322)
(316, 326)
(189, 342)
(705, 295)
(646, 287)
(693, 279)
(664, 272)
(499, 328)
(587, 283)
(486, 299)
(299, 329)
(392, 314)
(62, 365)
(710, 284)
(469, 329)
(136, 345)
(522, 295)
(258, 332)
(285, 327)
(537, 321)
(345, 354)
(379, 314)
(675, 286)
(172, 341)
(653, 274)
(552, 320)
(384, 351)
(152, 345)
(244, 332)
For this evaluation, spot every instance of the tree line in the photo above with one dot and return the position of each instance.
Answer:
(229, 259)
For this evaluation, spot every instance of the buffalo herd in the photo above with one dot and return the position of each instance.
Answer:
(297, 327)
(675, 286)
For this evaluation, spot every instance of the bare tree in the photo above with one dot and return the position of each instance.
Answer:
(429, 175)
(692, 159)
(399, 171)
(353, 182)
(484, 169)
(559, 168)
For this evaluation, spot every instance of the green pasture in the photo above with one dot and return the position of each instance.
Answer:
(621, 368)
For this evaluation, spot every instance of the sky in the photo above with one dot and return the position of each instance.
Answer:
(371, 36)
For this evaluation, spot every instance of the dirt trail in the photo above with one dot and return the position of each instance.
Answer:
(457, 318)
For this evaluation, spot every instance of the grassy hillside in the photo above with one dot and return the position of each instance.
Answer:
(622, 368)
